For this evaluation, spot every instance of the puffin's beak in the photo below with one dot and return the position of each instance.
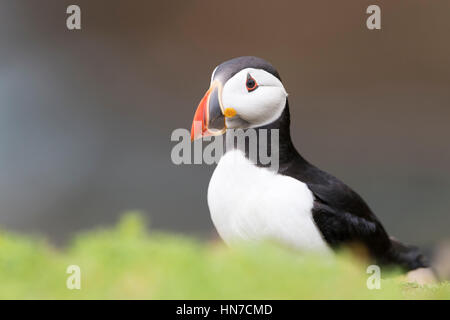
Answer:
(209, 119)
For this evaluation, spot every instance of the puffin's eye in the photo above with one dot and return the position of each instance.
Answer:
(251, 83)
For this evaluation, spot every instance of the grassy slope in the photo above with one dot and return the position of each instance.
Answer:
(128, 263)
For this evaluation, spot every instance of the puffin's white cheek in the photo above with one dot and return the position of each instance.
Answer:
(265, 107)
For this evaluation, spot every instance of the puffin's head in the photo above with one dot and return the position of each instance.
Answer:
(245, 92)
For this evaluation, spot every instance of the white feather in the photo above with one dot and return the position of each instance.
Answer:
(249, 203)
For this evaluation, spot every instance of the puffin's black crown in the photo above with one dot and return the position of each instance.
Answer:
(229, 68)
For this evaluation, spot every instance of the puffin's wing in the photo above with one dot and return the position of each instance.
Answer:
(342, 227)
(342, 216)
(339, 227)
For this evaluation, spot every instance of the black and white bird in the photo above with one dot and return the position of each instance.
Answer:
(299, 205)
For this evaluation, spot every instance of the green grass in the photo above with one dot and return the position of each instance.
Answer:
(129, 262)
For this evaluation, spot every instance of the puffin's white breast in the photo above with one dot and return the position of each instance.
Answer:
(247, 202)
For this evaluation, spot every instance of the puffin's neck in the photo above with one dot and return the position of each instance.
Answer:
(287, 152)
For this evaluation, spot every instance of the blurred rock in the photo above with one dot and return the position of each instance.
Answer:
(441, 260)
(422, 276)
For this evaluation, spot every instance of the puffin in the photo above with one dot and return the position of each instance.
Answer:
(297, 205)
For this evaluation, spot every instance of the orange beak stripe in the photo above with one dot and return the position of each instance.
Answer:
(201, 116)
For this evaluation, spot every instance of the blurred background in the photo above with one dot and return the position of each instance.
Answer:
(86, 116)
